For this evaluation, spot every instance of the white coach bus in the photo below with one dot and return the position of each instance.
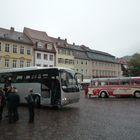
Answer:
(52, 86)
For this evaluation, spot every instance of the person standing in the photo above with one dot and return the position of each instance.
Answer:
(13, 101)
(2, 102)
(86, 89)
(30, 101)
(7, 86)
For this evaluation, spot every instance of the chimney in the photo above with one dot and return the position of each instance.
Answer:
(65, 40)
(12, 29)
(58, 38)
(73, 44)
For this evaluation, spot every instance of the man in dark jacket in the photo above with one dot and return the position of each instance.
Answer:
(2, 102)
(13, 101)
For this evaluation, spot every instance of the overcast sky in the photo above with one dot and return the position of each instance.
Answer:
(111, 26)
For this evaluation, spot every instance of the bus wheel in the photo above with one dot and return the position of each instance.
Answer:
(137, 94)
(103, 94)
(37, 101)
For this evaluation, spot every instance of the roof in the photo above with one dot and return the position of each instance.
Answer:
(95, 51)
(60, 42)
(31, 68)
(35, 34)
(15, 36)
(39, 36)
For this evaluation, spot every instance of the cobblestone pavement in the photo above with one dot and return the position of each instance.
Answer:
(90, 119)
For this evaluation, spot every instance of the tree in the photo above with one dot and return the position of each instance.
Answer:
(134, 65)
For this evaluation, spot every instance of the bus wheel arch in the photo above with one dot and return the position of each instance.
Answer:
(103, 94)
(137, 94)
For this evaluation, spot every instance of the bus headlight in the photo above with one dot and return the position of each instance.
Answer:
(64, 99)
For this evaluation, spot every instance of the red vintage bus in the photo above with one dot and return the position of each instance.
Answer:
(120, 87)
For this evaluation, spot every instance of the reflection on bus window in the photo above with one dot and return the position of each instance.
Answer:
(68, 82)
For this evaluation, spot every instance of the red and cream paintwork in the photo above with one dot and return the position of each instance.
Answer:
(114, 90)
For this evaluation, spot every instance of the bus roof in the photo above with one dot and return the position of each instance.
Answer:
(114, 78)
(30, 69)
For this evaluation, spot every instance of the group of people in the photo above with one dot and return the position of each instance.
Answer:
(10, 98)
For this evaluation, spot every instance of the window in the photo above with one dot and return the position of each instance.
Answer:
(50, 65)
(45, 65)
(39, 45)
(49, 46)
(21, 63)
(14, 49)
(45, 57)
(7, 49)
(63, 51)
(0, 46)
(0, 60)
(22, 50)
(71, 61)
(28, 51)
(51, 57)
(68, 52)
(82, 71)
(39, 65)
(14, 63)
(38, 55)
(28, 63)
(7, 62)
(60, 60)
(66, 61)
(68, 82)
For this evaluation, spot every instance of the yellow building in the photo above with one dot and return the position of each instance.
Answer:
(64, 53)
(16, 50)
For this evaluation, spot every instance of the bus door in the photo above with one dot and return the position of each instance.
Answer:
(45, 93)
(55, 92)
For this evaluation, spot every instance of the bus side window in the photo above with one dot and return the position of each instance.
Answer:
(136, 82)
(96, 83)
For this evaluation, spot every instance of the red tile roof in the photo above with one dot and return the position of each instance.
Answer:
(35, 34)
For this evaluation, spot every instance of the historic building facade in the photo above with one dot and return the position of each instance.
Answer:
(44, 51)
(64, 55)
(81, 61)
(102, 64)
(36, 48)
(16, 50)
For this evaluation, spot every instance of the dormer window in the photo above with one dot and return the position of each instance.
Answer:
(39, 45)
(49, 46)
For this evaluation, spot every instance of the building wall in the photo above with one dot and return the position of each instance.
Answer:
(44, 59)
(105, 69)
(64, 58)
(16, 59)
(83, 66)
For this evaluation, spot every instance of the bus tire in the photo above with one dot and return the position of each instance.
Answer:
(37, 101)
(137, 94)
(103, 94)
